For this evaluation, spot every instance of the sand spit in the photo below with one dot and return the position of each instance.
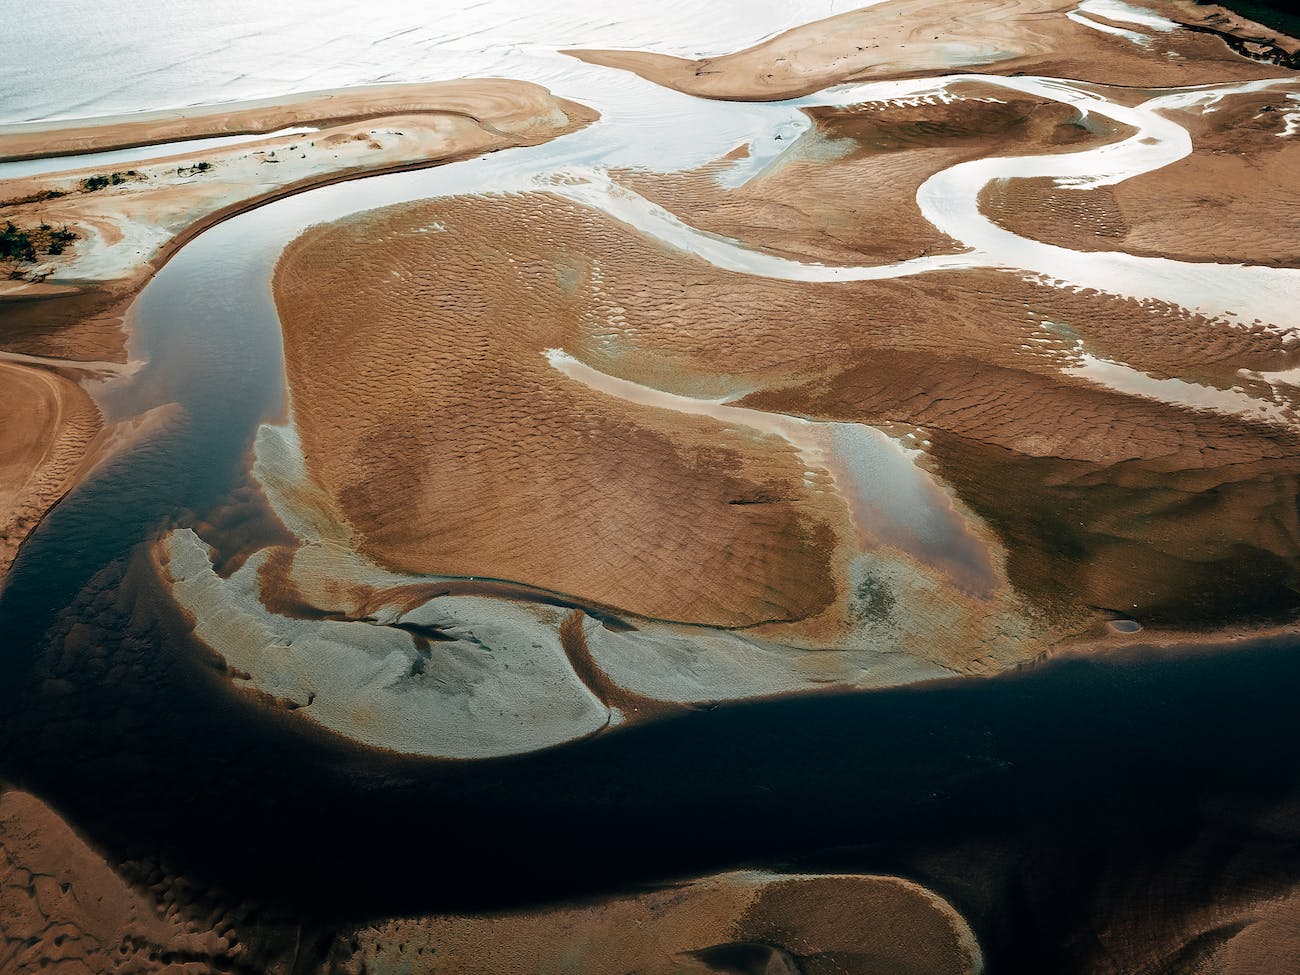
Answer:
(515, 108)
(1110, 42)
(129, 227)
(734, 922)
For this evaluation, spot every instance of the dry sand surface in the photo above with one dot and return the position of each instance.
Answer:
(909, 38)
(741, 922)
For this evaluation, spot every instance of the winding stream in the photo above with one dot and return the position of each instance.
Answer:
(910, 770)
(207, 332)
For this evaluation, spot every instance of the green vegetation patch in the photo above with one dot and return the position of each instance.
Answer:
(92, 183)
(19, 245)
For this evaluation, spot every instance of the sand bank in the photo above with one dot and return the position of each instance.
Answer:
(772, 923)
(70, 305)
(975, 358)
(844, 190)
(1243, 168)
(130, 226)
(513, 107)
(504, 472)
(49, 423)
(910, 38)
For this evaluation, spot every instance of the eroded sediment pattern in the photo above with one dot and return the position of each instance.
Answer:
(824, 399)
(592, 442)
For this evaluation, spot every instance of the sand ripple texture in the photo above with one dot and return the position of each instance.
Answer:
(592, 435)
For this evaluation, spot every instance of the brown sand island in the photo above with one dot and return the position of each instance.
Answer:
(584, 393)
(61, 311)
(658, 439)
(909, 38)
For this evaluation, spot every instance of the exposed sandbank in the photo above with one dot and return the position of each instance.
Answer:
(505, 472)
(845, 191)
(516, 108)
(910, 38)
(733, 922)
(49, 423)
(130, 227)
(70, 305)
(975, 357)
(1231, 200)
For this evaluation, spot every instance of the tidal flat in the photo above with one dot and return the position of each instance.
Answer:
(759, 488)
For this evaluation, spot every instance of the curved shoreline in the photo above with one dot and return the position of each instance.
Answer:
(870, 44)
(110, 299)
(324, 108)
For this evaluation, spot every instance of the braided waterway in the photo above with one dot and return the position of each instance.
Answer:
(352, 676)
(115, 718)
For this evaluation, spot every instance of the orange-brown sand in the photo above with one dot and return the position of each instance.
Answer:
(516, 107)
(744, 922)
(64, 909)
(910, 38)
(450, 446)
(845, 193)
(126, 231)
(1233, 199)
(47, 423)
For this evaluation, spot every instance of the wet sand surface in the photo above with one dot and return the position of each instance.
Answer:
(850, 531)
(628, 510)
(1192, 210)
(845, 191)
(900, 40)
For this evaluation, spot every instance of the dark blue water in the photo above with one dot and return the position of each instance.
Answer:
(1282, 16)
